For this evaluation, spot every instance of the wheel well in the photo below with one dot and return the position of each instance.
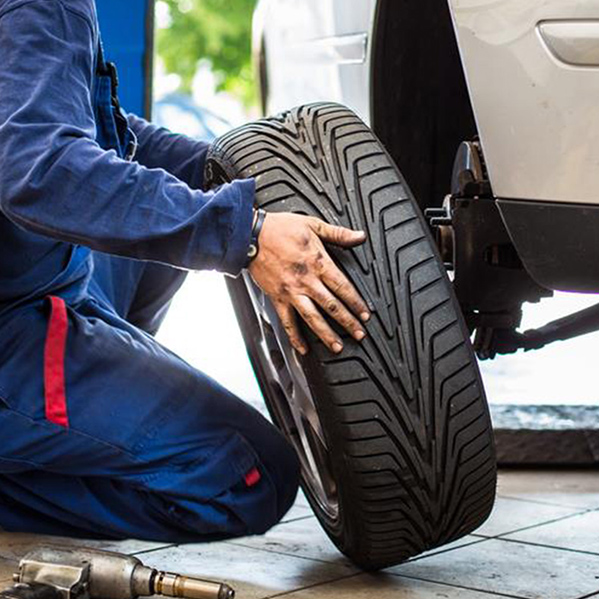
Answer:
(421, 109)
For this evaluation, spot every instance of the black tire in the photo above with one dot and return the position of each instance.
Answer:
(407, 434)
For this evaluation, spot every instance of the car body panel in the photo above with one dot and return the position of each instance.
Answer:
(537, 115)
(530, 67)
(572, 42)
(316, 50)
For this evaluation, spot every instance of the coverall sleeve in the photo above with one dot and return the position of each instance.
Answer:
(55, 179)
(179, 155)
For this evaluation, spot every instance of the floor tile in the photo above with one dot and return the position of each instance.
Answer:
(7, 569)
(580, 533)
(510, 568)
(513, 514)
(304, 538)
(467, 540)
(569, 488)
(298, 511)
(301, 499)
(16, 545)
(381, 586)
(254, 574)
(130, 546)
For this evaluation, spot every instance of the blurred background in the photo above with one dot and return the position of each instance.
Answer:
(203, 84)
(203, 61)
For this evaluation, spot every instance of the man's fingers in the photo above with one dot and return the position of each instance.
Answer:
(341, 287)
(338, 235)
(287, 318)
(314, 319)
(335, 308)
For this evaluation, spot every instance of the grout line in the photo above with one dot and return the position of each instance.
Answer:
(544, 523)
(295, 519)
(154, 549)
(517, 541)
(286, 554)
(433, 552)
(315, 585)
(458, 586)
(541, 502)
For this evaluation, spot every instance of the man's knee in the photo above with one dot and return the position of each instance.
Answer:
(244, 480)
(250, 502)
(257, 497)
(281, 472)
(287, 478)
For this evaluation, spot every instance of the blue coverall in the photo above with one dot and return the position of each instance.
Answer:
(104, 432)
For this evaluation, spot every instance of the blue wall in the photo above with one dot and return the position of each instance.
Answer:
(124, 25)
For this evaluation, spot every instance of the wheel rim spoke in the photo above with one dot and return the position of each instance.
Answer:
(297, 408)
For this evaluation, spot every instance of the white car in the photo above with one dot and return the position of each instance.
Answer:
(518, 80)
(487, 109)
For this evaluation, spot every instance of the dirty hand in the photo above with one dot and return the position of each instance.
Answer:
(294, 269)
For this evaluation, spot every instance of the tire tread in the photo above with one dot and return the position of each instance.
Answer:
(405, 411)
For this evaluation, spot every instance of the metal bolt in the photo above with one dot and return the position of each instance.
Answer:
(441, 222)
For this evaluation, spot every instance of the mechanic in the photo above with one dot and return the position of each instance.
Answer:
(103, 431)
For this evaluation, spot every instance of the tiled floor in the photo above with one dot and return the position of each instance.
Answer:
(542, 541)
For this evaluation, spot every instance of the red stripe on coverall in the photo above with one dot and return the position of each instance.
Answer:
(252, 477)
(54, 356)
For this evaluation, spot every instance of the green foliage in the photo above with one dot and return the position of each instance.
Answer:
(217, 30)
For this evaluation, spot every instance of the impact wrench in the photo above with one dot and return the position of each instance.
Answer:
(56, 572)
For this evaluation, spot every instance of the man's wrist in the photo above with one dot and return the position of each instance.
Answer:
(257, 222)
